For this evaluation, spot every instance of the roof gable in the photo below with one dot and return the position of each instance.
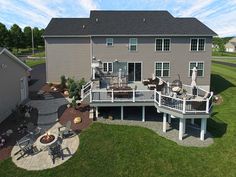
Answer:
(7, 52)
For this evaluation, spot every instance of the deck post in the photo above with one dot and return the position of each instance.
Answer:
(112, 95)
(192, 121)
(181, 122)
(184, 126)
(96, 111)
(164, 122)
(184, 105)
(122, 112)
(133, 95)
(143, 114)
(207, 106)
(91, 96)
(203, 129)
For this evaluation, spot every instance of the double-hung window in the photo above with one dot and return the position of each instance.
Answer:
(109, 41)
(200, 68)
(133, 44)
(162, 69)
(162, 44)
(197, 44)
(107, 67)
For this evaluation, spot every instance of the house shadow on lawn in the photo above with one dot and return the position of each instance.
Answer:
(219, 84)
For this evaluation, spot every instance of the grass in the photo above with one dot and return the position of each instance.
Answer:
(39, 54)
(226, 54)
(225, 60)
(113, 150)
(32, 63)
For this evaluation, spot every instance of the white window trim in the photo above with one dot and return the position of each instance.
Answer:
(203, 73)
(108, 42)
(107, 67)
(162, 47)
(136, 45)
(197, 45)
(161, 68)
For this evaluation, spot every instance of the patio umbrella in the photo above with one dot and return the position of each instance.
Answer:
(194, 77)
(119, 77)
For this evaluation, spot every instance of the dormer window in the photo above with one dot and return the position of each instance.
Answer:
(197, 44)
(109, 41)
(133, 44)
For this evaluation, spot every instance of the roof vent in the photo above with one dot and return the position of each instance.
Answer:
(144, 19)
(96, 19)
(84, 26)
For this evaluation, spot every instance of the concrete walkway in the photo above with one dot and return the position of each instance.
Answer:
(191, 138)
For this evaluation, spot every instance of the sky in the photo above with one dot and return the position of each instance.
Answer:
(219, 15)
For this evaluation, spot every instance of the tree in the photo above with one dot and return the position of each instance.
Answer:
(4, 36)
(28, 36)
(17, 37)
(220, 43)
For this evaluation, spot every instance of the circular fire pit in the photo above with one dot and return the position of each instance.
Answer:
(46, 140)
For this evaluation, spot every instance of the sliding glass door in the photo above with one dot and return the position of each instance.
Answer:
(134, 71)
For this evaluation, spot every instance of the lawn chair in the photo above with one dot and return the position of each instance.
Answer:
(55, 151)
(65, 130)
(26, 148)
(33, 131)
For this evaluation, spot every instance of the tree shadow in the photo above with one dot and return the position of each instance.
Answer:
(219, 84)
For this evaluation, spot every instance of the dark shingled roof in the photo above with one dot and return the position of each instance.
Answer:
(1, 49)
(127, 23)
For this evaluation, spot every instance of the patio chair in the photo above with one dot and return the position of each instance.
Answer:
(33, 131)
(65, 130)
(55, 151)
(26, 148)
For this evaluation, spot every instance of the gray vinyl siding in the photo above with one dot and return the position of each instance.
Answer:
(179, 55)
(10, 77)
(69, 57)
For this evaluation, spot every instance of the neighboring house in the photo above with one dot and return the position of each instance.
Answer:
(131, 45)
(14, 82)
(231, 45)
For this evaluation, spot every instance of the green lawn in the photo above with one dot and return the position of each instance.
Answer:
(32, 63)
(228, 54)
(39, 54)
(225, 60)
(113, 150)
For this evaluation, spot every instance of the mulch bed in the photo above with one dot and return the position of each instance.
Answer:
(13, 123)
(68, 114)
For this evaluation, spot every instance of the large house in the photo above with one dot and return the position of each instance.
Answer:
(14, 82)
(135, 58)
(231, 45)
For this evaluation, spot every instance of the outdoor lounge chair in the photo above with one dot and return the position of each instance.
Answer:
(26, 148)
(65, 130)
(33, 131)
(55, 151)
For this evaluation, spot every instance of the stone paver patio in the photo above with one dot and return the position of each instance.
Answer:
(41, 160)
(191, 138)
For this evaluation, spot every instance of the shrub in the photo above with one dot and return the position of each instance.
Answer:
(73, 103)
(63, 82)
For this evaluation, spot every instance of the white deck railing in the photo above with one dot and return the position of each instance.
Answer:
(198, 105)
(85, 91)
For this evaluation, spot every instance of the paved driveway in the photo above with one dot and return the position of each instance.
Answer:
(38, 78)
